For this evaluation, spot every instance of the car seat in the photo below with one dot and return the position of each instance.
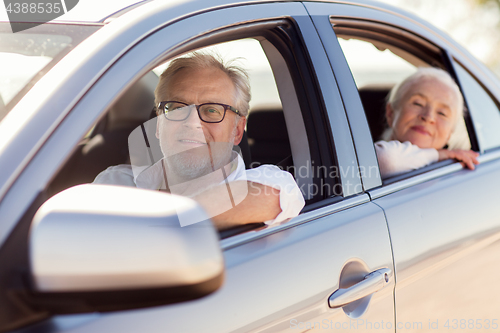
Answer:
(373, 98)
(268, 136)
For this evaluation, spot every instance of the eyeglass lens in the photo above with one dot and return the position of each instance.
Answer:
(208, 112)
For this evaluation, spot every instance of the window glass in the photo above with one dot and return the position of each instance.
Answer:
(26, 56)
(22, 56)
(18, 69)
(482, 108)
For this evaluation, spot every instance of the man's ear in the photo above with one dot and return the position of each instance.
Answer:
(240, 128)
(389, 114)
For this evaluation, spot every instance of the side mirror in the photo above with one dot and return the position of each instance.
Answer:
(105, 248)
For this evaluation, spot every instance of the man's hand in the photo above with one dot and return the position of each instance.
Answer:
(467, 157)
(259, 203)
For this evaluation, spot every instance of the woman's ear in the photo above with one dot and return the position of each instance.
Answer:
(389, 114)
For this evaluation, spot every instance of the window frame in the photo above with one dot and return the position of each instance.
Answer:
(406, 42)
(413, 32)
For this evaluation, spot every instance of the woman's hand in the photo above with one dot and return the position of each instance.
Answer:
(467, 157)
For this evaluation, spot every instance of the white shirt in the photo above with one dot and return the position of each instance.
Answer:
(395, 157)
(291, 198)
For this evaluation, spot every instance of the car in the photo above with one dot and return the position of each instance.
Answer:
(415, 252)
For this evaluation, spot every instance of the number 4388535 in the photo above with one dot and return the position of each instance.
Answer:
(471, 324)
(32, 8)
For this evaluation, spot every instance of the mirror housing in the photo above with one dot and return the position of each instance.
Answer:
(105, 248)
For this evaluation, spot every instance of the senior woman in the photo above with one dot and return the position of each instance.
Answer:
(423, 111)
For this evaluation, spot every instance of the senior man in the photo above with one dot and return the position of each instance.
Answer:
(202, 105)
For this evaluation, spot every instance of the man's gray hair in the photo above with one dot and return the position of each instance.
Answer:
(401, 89)
(198, 60)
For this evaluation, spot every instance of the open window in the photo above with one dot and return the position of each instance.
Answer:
(278, 130)
(379, 57)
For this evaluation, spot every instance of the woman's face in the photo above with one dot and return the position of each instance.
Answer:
(427, 114)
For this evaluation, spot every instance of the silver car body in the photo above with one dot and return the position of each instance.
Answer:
(435, 232)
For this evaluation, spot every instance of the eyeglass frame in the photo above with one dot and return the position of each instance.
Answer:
(197, 106)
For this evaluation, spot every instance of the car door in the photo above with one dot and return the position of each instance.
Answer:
(277, 279)
(443, 223)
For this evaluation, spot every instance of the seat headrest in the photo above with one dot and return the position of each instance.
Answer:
(267, 124)
(373, 98)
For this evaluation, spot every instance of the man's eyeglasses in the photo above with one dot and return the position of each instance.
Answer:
(208, 112)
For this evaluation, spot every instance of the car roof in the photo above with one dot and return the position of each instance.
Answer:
(90, 11)
(98, 10)
(94, 11)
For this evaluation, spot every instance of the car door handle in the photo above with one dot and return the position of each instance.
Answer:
(372, 283)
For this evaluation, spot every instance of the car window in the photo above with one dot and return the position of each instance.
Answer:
(127, 134)
(135, 107)
(377, 64)
(483, 110)
(26, 56)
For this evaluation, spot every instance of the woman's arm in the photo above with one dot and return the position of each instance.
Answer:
(395, 157)
(467, 157)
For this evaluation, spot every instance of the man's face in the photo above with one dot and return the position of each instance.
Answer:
(194, 147)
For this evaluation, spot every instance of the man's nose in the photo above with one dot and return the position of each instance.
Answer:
(193, 120)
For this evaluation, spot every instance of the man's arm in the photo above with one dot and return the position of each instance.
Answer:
(260, 203)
